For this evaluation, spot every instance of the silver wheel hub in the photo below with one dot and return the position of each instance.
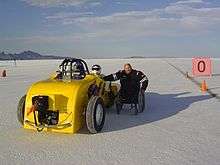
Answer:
(99, 114)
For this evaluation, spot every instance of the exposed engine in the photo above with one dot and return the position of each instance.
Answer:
(44, 115)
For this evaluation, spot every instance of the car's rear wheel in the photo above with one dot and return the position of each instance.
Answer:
(21, 109)
(95, 114)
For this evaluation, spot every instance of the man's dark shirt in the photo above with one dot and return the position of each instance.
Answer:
(130, 83)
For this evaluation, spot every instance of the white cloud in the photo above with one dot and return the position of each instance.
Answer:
(80, 30)
(125, 3)
(55, 3)
(48, 39)
(94, 4)
(176, 19)
(180, 18)
(186, 2)
(68, 15)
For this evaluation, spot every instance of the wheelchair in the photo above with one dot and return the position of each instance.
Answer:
(136, 102)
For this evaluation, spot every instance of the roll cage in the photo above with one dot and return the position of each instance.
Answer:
(73, 68)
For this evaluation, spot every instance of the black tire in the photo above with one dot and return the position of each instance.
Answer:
(118, 105)
(21, 109)
(135, 109)
(141, 102)
(95, 106)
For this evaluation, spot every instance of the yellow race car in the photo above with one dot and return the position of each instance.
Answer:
(67, 100)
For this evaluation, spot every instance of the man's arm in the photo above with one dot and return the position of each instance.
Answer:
(143, 80)
(113, 77)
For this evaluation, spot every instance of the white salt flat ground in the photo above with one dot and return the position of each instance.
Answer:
(180, 126)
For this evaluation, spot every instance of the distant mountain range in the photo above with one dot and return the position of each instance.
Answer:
(26, 55)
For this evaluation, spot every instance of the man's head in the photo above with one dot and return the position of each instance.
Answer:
(96, 69)
(127, 68)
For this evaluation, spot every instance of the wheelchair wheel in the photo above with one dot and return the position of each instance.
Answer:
(141, 102)
(118, 105)
(135, 109)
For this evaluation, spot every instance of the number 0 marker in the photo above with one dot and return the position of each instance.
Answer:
(201, 66)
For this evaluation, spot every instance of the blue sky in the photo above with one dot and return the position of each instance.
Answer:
(111, 28)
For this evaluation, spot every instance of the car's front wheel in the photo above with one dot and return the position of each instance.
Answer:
(20, 109)
(95, 114)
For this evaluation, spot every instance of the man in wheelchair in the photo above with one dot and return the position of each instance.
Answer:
(133, 86)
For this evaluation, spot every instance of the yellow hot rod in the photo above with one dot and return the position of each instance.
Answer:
(67, 101)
